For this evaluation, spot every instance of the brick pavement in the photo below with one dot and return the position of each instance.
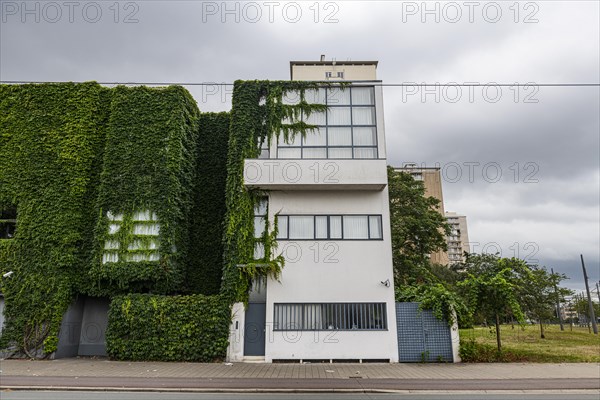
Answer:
(87, 367)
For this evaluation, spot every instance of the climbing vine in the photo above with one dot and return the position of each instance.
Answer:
(205, 256)
(149, 167)
(259, 115)
(50, 143)
(130, 189)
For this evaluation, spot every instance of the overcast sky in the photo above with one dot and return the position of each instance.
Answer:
(521, 162)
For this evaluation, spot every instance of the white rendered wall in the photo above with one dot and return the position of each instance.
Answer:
(235, 351)
(316, 72)
(333, 271)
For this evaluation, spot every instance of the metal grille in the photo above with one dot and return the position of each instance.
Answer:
(421, 336)
(326, 316)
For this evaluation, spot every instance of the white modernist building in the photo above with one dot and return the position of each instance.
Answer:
(335, 297)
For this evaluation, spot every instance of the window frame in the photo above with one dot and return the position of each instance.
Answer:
(370, 237)
(327, 147)
(368, 309)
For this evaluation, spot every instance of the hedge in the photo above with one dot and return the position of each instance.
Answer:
(168, 328)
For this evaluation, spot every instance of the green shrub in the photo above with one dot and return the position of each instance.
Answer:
(168, 328)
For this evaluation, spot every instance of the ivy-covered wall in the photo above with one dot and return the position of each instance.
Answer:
(145, 193)
(102, 180)
(205, 256)
(133, 190)
(51, 139)
(259, 115)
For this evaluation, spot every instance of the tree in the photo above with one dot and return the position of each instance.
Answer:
(579, 304)
(539, 294)
(491, 286)
(418, 228)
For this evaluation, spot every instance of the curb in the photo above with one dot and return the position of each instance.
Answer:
(266, 390)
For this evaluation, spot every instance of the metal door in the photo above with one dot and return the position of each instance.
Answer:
(254, 329)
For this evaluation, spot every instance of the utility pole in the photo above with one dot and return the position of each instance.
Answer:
(560, 320)
(589, 297)
(598, 292)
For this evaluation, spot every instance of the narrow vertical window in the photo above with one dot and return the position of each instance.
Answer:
(260, 227)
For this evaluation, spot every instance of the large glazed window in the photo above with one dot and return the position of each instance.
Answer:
(329, 316)
(132, 238)
(347, 130)
(329, 227)
(8, 222)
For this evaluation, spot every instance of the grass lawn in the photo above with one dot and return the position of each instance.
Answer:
(524, 344)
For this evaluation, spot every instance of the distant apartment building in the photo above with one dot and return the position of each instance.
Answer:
(458, 240)
(432, 180)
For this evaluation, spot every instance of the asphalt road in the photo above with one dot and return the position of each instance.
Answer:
(77, 395)
(145, 383)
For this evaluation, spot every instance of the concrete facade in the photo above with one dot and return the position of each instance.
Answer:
(83, 328)
(349, 276)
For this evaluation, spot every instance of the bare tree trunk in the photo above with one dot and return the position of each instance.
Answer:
(498, 333)
(542, 329)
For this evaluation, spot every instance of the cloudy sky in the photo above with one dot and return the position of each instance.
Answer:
(522, 161)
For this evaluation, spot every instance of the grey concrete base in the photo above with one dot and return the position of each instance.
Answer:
(83, 329)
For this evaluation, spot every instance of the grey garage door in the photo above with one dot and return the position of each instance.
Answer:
(421, 336)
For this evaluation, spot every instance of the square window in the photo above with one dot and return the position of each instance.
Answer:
(261, 207)
(292, 141)
(301, 227)
(363, 96)
(338, 96)
(363, 116)
(339, 116)
(290, 97)
(315, 96)
(315, 118)
(355, 227)
(113, 228)
(339, 136)
(317, 138)
(364, 136)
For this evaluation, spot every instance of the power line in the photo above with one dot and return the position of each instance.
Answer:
(404, 84)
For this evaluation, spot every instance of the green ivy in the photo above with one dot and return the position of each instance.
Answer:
(168, 328)
(51, 139)
(149, 165)
(72, 153)
(257, 116)
(205, 256)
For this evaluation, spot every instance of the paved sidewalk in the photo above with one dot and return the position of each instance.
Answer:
(104, 374)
